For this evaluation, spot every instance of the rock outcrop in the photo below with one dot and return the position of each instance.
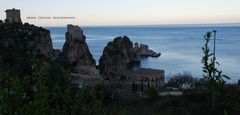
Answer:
(145, 51)
(77, 53)
(116, 55)
(113, 62)
(21, 45)
(76, 49)
(120, 53)
(20, 42)
(33, 40)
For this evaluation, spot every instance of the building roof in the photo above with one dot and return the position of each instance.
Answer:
(12, 10)
(147, 71)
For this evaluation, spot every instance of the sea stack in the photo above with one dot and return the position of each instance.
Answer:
(116, 56)
(119, 54)
(13, 16)
(77, 53)
(75, 48)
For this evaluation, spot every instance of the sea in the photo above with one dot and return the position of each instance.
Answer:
(180, 45)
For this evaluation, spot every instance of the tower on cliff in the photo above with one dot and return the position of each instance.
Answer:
(13, 15)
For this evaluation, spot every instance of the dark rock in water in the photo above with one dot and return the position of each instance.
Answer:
(77, 53)
(116, 55)
(76, 49)
(145, 51)
(120, 53)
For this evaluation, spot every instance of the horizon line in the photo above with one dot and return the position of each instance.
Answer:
(169, 24)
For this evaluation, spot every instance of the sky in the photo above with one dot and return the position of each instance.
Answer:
(125, 12)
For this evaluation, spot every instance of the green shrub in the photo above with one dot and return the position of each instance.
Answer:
(151, 92)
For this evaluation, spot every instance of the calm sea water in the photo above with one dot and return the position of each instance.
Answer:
(180, 45)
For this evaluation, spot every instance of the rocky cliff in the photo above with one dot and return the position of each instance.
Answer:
(19, 43)
(24, 38)
(77, 53)
(27, 38)
(116, 55)
(75, 48)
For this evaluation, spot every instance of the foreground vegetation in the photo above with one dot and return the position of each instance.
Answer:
(43, 93)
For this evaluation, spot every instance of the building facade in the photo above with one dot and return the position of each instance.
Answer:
(143, 78)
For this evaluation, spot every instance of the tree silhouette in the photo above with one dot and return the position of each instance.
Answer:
(214, 77)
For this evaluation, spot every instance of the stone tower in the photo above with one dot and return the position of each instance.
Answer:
(13, 15)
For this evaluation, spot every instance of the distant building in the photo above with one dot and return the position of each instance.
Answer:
(146, 77)
(87, 70)
(13, 15)
(86, 75)
(173, 86)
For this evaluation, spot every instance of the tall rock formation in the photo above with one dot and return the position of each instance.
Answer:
(77, 53)
(76, 49)
(116, 55)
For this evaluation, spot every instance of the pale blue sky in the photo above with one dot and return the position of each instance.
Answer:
(126, 12)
